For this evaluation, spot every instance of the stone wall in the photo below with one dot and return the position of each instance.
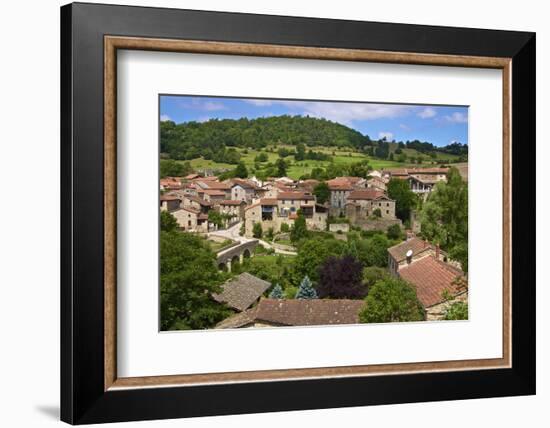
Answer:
(339, 227)
(437, 312)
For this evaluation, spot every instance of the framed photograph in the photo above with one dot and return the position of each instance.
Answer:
(274, 213)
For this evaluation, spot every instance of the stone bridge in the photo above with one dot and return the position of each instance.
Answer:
(235, 254)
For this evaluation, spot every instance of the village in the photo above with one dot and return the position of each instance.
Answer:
(244, 218)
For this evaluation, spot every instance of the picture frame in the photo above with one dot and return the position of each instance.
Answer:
(91, 391)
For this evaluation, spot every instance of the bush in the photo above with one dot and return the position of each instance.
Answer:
(457, 311)
(394, 232)
(285, 228)
(257, 231)
(377, 213)
(391, 300)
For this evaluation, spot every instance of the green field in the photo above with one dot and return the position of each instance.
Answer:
(339, 156)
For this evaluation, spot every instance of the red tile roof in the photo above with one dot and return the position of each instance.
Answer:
(417, 245)
(231, 202)
(169, 198)
(295, 196)
(268, 201)
(367, 194)
(213, 192)
(431, 278)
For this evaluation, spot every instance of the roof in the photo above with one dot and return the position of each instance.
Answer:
(367, 194)
(431, 278)
(268, 201)
(417, 245)
(231, 202)
(428, 170)
(191, 176)
(169, 198)
(425, 180)
(216, 185)
(213, 192)
(242, 291)
(295, 196)
(343, 183)
(191, 210)
(246, 184)
(198, 200)
(396, 171)
(302, 312)
(202, 216)
(242, 319)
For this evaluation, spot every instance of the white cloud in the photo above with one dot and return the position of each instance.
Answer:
(260, 103)
(404, 127)
(387, 135)
(165, 118)
(213, 106)
(456, 117)
(427, 113)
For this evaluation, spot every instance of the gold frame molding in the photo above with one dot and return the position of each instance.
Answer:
(113, 43)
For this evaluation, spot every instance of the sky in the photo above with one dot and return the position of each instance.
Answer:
(439, 125)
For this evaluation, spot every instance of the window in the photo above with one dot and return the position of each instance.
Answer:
(387, 204)
(387, 212)
(189, 223)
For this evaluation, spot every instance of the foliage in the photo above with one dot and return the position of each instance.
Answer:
(281, 167)
(394, 232)
(306, 290)
(377, 213)
(299, 229)
(276, 292)
(272, 268)
(241, 171)
(321, 192)
(188, 275)
(171, 168)
(261, 157)
(312, 253)
(341, 278)
(257, 231)
(457, 311)
(373, 274)
(444, 217)
(371, 251)
(391, 300)
(285, 228)
(405, 199)
(168, 222)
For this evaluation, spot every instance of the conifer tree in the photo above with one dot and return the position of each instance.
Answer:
(306, 290)
(276, 293)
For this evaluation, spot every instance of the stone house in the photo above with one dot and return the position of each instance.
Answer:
(170, 183)
(197, 203)
(187, 218)
(410, 251)
(437, 284)
(169, 203)
(362, 203)
(234, 208)
(212, 195)
(243, 190)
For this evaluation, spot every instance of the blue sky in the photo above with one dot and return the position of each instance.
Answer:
(439, 125)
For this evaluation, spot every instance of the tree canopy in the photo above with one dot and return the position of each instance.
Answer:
(391, 300)
(188, 275)
(321, 192)
(405, 199)
(341, 278)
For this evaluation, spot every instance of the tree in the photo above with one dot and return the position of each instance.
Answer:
(299, 229)
(285, 228)
(257, 231)
(172, 168)
(394, 232)
(373, 274)
(457, 311)
(281, 167)
(188, 276)
(262, 157)
(306, 290)
(321, 192)
(168, 222)
(377, 213)
(277, 292)
(241, 171)
(312, 253)
(341, 278)
(444, 217)
(405, 199)
(371, 251)
(391, 300)
(300, 152)
(216, 218)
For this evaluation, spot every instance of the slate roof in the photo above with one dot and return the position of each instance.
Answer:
(431, 278)
(242, 291)
(417, 245)
(298, 312)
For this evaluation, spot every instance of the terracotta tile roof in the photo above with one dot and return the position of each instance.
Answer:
(214, 192)
(199, 200)
(303, 196)
(431, 278)
(242, 291)
(301, 312)
(202, 216)
(268, 201)
(343, 183)
(191, 210)
(217, 185)
(170, 182)
(169, 198)
(191, 176)
(396, 171)
(231, 202)
(417, 245)
(367, 194)
(428, 170)
(246, 184)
